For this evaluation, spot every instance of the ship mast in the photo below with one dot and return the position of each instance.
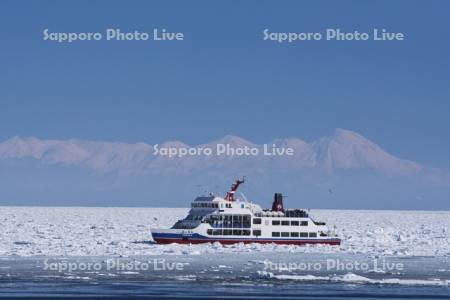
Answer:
(234, 187)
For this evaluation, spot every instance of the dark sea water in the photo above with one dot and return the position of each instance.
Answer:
(214, 290)
(226, 276)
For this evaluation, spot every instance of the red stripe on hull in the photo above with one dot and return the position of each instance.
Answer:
(229, 242)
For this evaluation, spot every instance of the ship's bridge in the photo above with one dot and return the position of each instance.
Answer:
(218, 203)
(204, 198)
(206, 202)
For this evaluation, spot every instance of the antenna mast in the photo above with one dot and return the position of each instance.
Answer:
(234, 187)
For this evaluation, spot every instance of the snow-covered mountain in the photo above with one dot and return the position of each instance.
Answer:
(98, 156)
(349, 150)
(344, 150)
(343, 170)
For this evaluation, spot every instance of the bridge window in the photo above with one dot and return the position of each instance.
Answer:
(312, 234)
(275, 234)
(209, 231)
(304, 223)
(285, 223)
(294, 234)
(217, 232)
(303, 234)
(285, 234)
(246, 232)
(295, 223)
(275, 222)
(237, 232)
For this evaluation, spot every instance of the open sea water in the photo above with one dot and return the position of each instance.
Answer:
(227, 276)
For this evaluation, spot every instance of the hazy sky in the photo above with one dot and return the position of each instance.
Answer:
(224, 79)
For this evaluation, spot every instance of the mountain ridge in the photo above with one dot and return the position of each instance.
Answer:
(343, 150)
(342, 170)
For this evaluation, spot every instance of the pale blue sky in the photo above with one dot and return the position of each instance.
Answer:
(223, 79)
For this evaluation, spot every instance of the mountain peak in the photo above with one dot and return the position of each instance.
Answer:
(174, 144)
(348, 135)
(346, 150)
(233, 140)
(17, 147)
(15, 140)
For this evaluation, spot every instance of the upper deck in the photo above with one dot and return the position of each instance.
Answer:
(218, 211)
(213, 203)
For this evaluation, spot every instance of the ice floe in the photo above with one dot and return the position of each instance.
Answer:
(354, 278)
(87, 231)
